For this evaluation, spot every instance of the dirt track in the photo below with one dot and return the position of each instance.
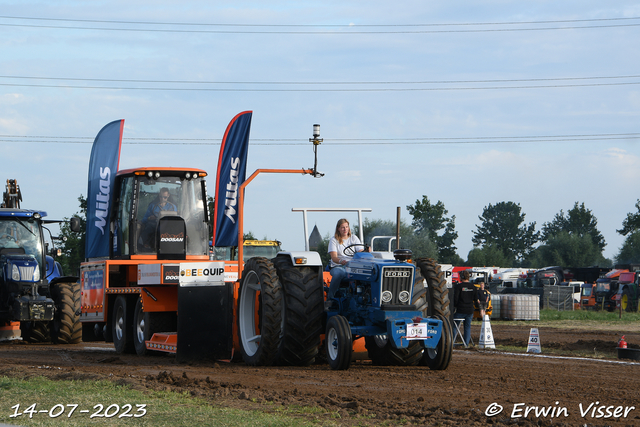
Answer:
(476, 382)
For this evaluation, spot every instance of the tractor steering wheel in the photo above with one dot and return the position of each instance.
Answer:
(350, 250)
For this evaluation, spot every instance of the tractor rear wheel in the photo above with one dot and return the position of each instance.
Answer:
(434, 302)
(123, 310)
(66, 327)
(436, 296)
(339, 344)
(438, 358)
(303, 312)
(382, 353)
(260, 295)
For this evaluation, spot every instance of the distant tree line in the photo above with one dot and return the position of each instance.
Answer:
(503, 238)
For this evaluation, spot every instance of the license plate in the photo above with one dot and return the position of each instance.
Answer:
(417, 331)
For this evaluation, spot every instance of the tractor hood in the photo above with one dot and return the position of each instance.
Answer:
(20, 268)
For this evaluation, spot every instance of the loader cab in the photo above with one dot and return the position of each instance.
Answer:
(160, 213)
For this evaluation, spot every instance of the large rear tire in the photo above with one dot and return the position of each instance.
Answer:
(260, 293)
(303, 312)
(438, 358)
(123, 325)
(436, 296)
(433, 301)
(382, 353)
(66, 327)
(339, 344)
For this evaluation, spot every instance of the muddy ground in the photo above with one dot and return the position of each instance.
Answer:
(480, 387)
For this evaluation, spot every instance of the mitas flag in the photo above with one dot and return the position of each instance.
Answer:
(232, 167)
(103, 166)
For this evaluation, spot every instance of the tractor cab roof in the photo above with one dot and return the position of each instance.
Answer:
(161, 170)
(21, 213)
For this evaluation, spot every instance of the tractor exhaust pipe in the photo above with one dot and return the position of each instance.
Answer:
(398, 229)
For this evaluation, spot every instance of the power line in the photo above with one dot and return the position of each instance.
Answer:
(319, 25)
(334, 141)
(414, 89)
(321, 82)
(346, 29)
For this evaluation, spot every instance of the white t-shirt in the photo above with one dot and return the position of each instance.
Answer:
(334, 246)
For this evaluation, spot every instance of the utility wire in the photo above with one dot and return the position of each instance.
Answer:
(102, 21)
(342, 29)
(332, 141)
(415, 89)
(153, 30)
(319, 82)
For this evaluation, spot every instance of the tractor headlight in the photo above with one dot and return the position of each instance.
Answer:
(36, 274)
(404, 297)
(386, 296)
(15, 273)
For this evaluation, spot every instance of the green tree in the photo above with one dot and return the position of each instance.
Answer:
(73, 244)
(503, 227)
(570, 250)
(630, 250)
(418, 243)
(323, 249)
(429, 220)
(579, 221)
(632, 222)
(488, 255)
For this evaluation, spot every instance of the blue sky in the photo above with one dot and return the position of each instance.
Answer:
(535, 103)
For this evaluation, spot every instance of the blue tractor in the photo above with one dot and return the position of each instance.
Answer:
(33, 290)
(400, 308)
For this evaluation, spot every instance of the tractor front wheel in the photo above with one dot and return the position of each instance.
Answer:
(35, 332)
(260, 307)
(438, 358)
(66, 326)
(339, 345)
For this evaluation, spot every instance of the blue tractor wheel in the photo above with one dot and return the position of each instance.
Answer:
(438, 358)
(339, 346)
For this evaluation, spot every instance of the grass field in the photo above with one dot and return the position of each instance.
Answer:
(582, 319)
(146, 408)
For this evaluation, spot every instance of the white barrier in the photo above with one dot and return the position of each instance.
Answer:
(534, 342)
(486, 336)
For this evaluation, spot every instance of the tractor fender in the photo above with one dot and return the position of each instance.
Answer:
(312, 258)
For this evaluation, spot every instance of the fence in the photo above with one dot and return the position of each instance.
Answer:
(558, 298)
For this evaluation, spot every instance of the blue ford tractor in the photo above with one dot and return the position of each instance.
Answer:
(400, 308)
(33, 291)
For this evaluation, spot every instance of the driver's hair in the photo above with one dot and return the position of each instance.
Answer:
(337, 234)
